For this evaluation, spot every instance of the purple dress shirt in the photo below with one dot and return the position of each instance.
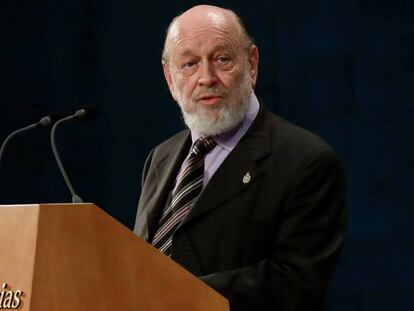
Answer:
(227, 141)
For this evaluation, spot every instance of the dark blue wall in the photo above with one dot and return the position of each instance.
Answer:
(344, 69)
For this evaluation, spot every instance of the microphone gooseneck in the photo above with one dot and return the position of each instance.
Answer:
(43, 122)
(82, 114)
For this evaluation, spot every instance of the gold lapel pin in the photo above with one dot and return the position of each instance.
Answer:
(246, 178)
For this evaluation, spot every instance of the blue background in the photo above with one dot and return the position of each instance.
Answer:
(343, 69)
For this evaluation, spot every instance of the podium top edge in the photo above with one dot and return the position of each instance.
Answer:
(44, 204)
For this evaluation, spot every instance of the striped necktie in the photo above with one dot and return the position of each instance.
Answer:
(188, 187)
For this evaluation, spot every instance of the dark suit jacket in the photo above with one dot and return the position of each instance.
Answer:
(270, 243)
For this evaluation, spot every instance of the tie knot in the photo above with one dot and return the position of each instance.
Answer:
(203, 145)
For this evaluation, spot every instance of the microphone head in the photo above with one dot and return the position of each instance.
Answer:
(86, 113)
(49, 120)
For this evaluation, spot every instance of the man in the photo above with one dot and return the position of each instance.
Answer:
(255, 207)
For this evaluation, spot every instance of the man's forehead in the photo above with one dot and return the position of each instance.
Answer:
(205, 42)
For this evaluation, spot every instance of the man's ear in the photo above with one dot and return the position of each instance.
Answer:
(168, 78)
(254, 63)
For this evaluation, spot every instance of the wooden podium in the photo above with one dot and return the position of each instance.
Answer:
(76, 257)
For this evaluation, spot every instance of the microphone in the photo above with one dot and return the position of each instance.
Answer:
(85, 113)
(46, 121)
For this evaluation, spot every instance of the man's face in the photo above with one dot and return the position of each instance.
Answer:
(211, 75)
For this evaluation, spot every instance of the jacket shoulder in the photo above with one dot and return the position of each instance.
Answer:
(290, 137)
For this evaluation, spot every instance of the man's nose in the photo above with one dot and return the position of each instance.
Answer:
(207, 76)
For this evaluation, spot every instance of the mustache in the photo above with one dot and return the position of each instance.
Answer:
(201, 93)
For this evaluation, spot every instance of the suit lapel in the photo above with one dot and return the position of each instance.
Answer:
(165, 170)
(238, 171)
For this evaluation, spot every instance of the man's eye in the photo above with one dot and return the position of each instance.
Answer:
(189, 65)
(223, 59)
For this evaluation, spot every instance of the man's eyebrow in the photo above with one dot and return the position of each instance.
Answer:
(215, 49)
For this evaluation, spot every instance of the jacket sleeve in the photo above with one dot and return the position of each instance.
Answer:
(304, 251)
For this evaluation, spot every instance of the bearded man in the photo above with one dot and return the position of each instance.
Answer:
(243, 199)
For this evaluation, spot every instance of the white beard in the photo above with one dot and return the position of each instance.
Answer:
(228, 114)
